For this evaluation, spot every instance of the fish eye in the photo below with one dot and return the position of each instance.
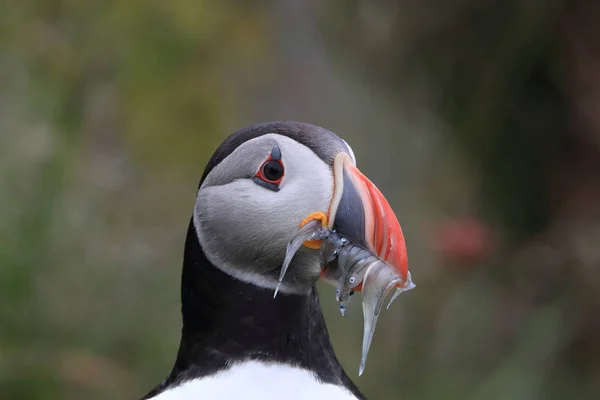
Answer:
(352, 279)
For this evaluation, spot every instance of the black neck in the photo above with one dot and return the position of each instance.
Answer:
(225, 320)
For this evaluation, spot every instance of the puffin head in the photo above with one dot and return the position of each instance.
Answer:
(262, 184)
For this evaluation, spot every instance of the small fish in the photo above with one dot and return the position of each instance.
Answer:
(353, 268)
(313, 230)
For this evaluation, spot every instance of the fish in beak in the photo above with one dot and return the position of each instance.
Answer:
(360, 213)
(377, 262)
(362, 245)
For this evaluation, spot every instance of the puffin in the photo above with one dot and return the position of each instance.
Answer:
(238, 340)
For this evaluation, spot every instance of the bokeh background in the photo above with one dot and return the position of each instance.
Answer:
(479, 120)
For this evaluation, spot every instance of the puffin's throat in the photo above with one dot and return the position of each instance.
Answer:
(227, 320)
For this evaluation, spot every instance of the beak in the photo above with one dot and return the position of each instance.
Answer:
(360, 212)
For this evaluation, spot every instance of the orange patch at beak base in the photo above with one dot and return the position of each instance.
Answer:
(320, 216)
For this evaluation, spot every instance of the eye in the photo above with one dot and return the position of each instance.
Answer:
(272, 171)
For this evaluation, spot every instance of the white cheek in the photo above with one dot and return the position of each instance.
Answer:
(244, 228)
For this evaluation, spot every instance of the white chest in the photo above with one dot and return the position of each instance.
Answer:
(255, 380)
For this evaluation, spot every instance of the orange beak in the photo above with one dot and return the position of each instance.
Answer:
(360, 212)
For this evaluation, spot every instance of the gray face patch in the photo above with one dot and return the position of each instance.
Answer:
(244, 228)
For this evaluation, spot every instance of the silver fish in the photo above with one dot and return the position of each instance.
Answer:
(351, 265)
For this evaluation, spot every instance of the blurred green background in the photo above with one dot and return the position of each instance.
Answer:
(479, 120)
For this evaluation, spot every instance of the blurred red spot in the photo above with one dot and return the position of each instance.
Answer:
(465, 241)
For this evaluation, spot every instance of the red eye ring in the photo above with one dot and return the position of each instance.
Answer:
(271, 171)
